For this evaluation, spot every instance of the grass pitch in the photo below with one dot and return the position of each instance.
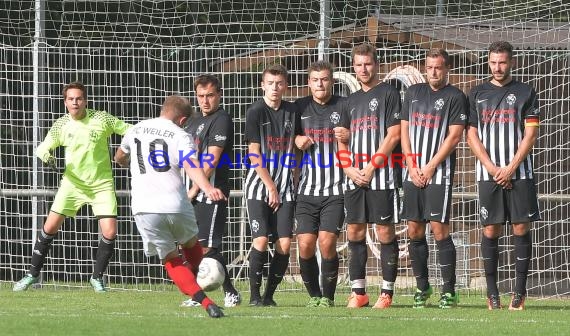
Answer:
(50, 311)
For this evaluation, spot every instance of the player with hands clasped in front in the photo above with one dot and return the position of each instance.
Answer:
(433, 116)
(270, 129)
(502, 130)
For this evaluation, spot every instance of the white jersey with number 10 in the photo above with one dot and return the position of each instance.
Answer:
(156, 147)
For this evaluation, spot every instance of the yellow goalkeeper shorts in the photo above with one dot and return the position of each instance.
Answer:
(70, 198)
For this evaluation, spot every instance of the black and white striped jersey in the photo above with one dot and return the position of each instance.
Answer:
(429, 114)
(275, 131)
(500, 114)
(215, 129)
(370, 115)
(320, 173)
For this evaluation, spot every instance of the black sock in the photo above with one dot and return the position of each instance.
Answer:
(357, 263)
(40, 252)
(228, 286)
(310, 275)
(447, 262)
(104, 254)
(389, 253)
(389, 260)
(523, 253)
(256, 261)
(199, 296)
(329, 272)
(490, 254)
(277, 270)
(419, 253)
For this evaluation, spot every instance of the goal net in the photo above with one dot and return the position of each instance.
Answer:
(132, 54)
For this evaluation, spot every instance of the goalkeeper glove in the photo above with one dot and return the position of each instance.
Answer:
(52, 164)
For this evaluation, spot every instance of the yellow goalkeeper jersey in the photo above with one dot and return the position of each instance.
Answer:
(86, 142)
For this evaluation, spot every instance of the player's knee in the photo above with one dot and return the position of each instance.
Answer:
(306, 251)
(493, 231)
(415, 235)
(283, 245)
(442, 235)
(329, 252)
(306, 242)
(521, 229)
(260, 243)
(108, 227)
(416, 230)
(53, 223)
(386, 233)
(327, 245)
(356, 232)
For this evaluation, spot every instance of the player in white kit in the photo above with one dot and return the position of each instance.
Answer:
(157, 149)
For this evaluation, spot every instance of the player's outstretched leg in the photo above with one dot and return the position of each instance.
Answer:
(185, 280)
(193, 256)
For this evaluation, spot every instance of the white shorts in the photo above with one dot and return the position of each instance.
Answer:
(161, 232)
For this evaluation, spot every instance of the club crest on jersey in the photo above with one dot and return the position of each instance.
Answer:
(288, 126)
(511, 99)
(94, 136)
(335, 118)
(373, 105)
(438, 104)
(199, 129)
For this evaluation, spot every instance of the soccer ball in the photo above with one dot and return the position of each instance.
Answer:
(211, 274)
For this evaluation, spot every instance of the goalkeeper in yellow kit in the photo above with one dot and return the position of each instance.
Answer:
(87, 179)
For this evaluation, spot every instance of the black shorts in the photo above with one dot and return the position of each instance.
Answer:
(265, 223)
(319, 213)
(516, 205)
(432, 203)
(211, 219)
(363, 205)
